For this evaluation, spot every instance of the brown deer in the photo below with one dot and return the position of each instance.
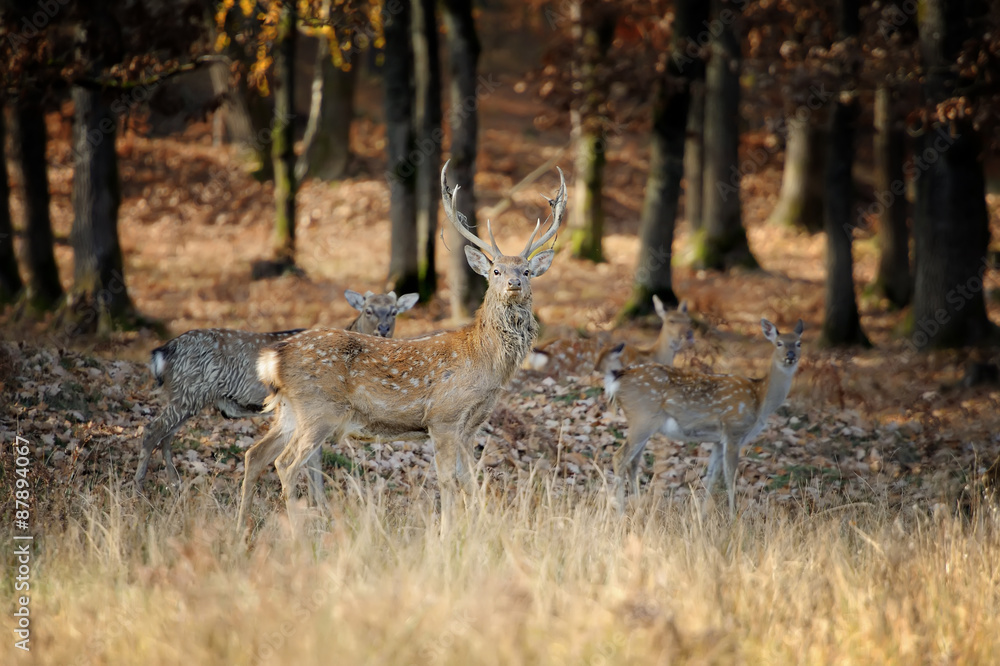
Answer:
(328, 382)
(377, 312)
(216, 367)
(697, 407)
(564, 356)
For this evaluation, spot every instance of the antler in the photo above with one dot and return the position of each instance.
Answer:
(558, 210)
(459, 220)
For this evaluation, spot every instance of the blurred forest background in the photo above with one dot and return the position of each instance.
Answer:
(148, 144)
(171, 166)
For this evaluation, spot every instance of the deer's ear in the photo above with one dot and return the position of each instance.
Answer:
(683, 307)
(356, 300)
(477, 260)
(770, 330)
(406, 301)
(658, 306)
(540, 262)
(799, 327)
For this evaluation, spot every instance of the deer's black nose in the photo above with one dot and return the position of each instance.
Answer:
(383, 330)
(514, 283)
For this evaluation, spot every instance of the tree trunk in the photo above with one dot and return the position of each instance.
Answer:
(666, 167)
(694, 154)
(951, 225)
(800, 203)
(427, 123)
(397, 74)
(722, 241)
(893, 279)
(841, 322)
(593, 29)
(10, 278)
(467, 288)
(326, 147)
(283, 141)
(248, 114)
(587, 215)
(44, 288)
(99, 300)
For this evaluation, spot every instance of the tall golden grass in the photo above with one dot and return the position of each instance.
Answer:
(519, 576)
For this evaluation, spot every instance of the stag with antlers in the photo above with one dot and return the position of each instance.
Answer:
(329, 382)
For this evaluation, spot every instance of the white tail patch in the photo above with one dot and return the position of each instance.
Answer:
(267, 368)
(536, 360)
(158, 364)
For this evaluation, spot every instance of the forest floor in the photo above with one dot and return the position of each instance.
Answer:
(192, 222)
(883, 425)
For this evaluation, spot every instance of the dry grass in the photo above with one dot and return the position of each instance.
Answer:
(522, 575)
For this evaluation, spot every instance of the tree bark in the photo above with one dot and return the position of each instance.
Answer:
(427, 123)
(951, 225)
(893, 279)
(397, 73)
(841, 322)
(283, 141)
(10, 279)
(99, 300)
(248, 114)
(666, 166)
(722, 241)
(326, 147)
(44, 288)
(467, 288)
(800, 203)
(694, 153)
(587, 215)
(593, 29)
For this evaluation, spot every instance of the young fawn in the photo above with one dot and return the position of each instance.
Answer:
(335, 383)
(697, 407)
(565, 356)
(378, 311)
(218, 367)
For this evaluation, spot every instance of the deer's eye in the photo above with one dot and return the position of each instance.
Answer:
(779, 343)
(496, 271)
(798, 344)
(393, 313)
(368, 311)
(526, 271)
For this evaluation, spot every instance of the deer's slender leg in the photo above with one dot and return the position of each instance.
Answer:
(732, 452)
(159, 433)
(714, 467)
(626, 459)
(314, 467)
(308, 439)
(260, 456)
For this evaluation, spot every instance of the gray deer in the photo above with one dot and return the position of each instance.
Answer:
(217, 367)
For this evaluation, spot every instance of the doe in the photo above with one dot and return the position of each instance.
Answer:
(697, 407)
